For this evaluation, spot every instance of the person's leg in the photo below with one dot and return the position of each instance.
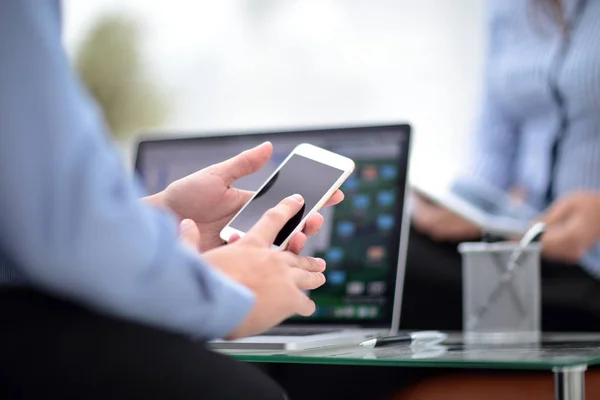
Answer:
(51, 348)
(570, 298)
(344, 382)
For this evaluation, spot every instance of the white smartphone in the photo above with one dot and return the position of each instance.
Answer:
(310, 171)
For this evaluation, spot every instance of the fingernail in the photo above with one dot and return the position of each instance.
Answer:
(297, 198)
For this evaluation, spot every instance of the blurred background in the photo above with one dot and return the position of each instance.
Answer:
(206, 66)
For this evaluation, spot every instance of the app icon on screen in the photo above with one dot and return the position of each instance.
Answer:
(375, 254)
(388, 172)
(325, 311)
(385, 198)
(361, 201)
(369, 173)
(344, 312)
(385, 222)
(355, 288)
(336, 277)
(345, 229)
(351, 184)
(377, 287)
(334, 254)
(364, 312)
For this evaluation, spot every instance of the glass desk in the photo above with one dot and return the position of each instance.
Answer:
(566, 355)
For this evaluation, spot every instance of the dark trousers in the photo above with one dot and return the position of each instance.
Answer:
(433, 291)
(54, 349)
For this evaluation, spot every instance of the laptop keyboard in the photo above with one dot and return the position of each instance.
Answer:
(298, 331)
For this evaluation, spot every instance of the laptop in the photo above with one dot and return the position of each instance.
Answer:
(363, 239)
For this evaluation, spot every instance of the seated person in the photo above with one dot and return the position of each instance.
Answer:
(98, 297)
(538, 137)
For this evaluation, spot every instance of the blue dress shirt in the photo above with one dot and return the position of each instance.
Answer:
(70, 219)
(539, 127)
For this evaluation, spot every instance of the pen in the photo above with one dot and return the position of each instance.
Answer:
(421, 338)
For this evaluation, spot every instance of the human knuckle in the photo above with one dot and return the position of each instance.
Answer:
(276, 264)
(282, 258)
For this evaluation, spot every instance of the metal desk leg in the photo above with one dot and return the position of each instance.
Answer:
(569, 383)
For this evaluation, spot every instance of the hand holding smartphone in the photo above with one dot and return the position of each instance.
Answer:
(310, 171)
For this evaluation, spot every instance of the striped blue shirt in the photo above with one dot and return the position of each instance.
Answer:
(539, 126)
(70, 219)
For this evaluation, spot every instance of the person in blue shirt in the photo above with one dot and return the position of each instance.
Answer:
(104, 295)
(538, 138)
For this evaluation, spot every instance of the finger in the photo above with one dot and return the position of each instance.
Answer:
(234, 238)
(305, 280)
(313, 225)
(189, 234)
(244, 164)
(559, 211)
(559, 253)
(335, 198)
(563, 242)
(305, 263)
(296, 243)
(305, 307)
(268, 226)
(554, 240)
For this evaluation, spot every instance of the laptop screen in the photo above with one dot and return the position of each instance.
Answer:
(360, 238)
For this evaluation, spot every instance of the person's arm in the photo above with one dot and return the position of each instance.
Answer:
(495, 137)
(69, 216)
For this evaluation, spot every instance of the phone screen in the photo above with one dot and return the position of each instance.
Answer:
(299, 175)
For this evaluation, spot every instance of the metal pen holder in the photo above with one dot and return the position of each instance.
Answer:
(501, 302)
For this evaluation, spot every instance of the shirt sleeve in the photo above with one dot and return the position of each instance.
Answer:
(495, 137)
(69, 215)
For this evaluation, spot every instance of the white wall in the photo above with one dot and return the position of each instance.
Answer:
(275, 63)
